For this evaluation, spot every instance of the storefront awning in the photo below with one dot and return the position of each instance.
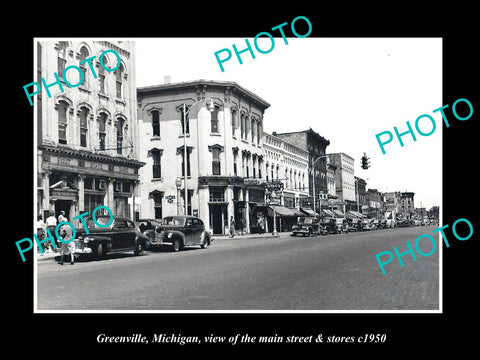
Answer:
(328, 212)
(355, 214)
(282, 211)
(308, 211)
(338, 213)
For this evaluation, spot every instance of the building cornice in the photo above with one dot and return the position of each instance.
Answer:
(87, 155)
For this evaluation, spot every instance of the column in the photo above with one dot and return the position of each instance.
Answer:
(109, 201)
(247, 211)
(46, 191)
(230, 206)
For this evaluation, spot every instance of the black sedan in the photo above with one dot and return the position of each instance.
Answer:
(180, 231)
(120, 234)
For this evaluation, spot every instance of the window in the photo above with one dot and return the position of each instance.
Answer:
(83, 126)
(119, 135)
(62, 58)
(118, 78)
(101, 75)
(234, 121)
(242, 125)
(156, 122)
(157, 204)
(217, 195)
(83, 55)
(101, 130)
(62, 122)
(157, 167)
(216, 161)
(185, 122)
(252, 129)
(214, 121)
(235, 158)
(259, 132)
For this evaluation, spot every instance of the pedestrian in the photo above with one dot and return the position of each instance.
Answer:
(232, 227)
(61, 217)
(51, 223)
(69, 247)
(41, 228)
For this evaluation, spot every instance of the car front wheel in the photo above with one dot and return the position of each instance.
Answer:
(206, 242)
(139, 249)
(176, 245)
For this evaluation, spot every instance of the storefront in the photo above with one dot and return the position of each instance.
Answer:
(78, 181)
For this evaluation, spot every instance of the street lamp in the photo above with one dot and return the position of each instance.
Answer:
(273, 195)
(211, 108)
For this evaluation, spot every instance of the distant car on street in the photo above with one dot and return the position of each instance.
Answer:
(180, 231)
(119, 236)
(306, 226)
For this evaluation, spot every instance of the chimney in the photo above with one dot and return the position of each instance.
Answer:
(167, 79)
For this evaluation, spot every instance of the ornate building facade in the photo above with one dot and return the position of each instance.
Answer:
(221, 137)
(87, 134)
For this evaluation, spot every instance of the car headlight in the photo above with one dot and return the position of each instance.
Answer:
(169, 235)
(87, 239)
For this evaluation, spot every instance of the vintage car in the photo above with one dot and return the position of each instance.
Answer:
(120, 235)
(147, 227)
(180, 231)
(332, 226)
(306, 226)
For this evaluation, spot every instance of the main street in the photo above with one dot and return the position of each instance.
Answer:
(333, 272)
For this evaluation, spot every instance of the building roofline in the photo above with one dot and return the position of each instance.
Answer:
(184, 84)
(310, 130)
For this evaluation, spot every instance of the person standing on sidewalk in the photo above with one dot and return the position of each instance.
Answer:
(51, 223)
(41, 228)
(67, 248)
(232, 227)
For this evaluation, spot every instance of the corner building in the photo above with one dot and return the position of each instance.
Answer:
(224, 156)
(86, 135)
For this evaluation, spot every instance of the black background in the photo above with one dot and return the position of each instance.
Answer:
(407, 333)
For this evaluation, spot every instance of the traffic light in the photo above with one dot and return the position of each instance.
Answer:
(365, 161)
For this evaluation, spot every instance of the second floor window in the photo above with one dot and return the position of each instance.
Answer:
(119, 135)
(83, 126)
(216, 161)
(101, 130)
(62, 122)
(185, 121)
(157, 166)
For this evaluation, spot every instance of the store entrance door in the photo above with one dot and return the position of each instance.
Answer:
(218, 216)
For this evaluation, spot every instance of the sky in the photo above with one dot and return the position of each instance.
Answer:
(346, 89)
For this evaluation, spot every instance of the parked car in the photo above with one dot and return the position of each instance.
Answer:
(147, 227)
(306, 226)
(332, 226)
(180, 231)
(120, 235)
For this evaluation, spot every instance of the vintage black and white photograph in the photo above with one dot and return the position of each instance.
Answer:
(269, 174)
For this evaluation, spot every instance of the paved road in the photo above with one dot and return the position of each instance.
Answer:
(334, 272)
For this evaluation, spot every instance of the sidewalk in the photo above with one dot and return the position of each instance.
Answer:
(56, 254)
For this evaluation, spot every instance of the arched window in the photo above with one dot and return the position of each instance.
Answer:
(102, 130)
(83, 55)
(118, 79)
(214, 121)
(62, 122)
(101, 75)
(83, 126)
(62, 58)
(120, 123)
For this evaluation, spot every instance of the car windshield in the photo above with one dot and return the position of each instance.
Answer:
(101, 220)
(173, 221)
